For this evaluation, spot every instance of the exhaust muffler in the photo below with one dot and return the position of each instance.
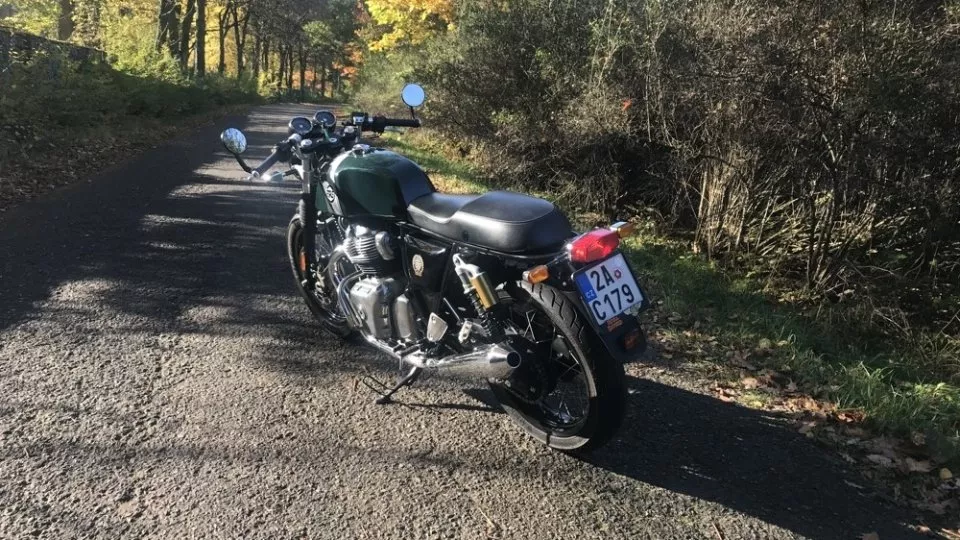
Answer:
(487, 362)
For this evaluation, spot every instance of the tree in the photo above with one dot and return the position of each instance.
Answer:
(65, 21)
(186, 28)
(201, 36)
(407, 22)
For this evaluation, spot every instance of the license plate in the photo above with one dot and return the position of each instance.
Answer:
(608, 288)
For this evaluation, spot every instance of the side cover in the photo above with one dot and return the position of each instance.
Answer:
(372, 182)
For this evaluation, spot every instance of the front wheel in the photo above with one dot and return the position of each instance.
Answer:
(580, 396)
(324, 306)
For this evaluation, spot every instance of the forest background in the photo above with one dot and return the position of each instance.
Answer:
(793, 165)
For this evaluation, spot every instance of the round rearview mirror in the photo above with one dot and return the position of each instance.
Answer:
(233, 140)
(412, 95)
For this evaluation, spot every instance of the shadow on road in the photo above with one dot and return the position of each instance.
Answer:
(744, 459)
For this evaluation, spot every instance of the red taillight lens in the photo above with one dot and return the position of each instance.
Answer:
(594, 245)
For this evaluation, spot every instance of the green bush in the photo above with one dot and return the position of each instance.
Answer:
(819, 144)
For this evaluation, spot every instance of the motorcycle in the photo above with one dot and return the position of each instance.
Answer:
(496, 286)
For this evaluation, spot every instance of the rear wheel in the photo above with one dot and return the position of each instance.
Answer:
(575, 395)
(320, 297)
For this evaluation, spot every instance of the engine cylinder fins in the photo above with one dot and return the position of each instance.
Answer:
(370, 251)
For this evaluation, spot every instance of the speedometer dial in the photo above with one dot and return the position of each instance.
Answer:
(300, 125)
(325, 119)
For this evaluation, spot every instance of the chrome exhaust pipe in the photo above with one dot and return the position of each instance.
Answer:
(487, 362)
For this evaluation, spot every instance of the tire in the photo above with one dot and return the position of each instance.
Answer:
(294, 245)
(606, 408)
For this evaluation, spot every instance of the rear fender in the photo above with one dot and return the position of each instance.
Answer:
(613, 333)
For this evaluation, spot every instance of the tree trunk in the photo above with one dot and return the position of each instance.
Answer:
(65, 20)
(265, 51)
(283, 68)
(186, 28)
(303, 73)
(240, 35)
(173, 44)
(164, 10)
(290, 68)
(222, 30)
(323, 80)
(257, 47)
(201, 37)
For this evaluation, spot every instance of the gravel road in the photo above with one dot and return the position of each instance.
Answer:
(160, 378)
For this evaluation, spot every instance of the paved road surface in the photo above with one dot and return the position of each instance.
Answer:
(160, 378)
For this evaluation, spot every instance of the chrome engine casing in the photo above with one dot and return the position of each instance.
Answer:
(372, 299)
(375, 292)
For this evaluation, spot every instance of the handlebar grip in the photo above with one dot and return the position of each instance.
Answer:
(402, 122)
(265, 166)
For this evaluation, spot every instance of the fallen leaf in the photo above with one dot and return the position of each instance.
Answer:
(918, 438)
(749, 383)
(739, 359)
(882, 445)
(851, 417)
(791, 387)
(880, 459)
(726, 399)
(870, 536)
(945, 474)
(807, 427)
(913, 465)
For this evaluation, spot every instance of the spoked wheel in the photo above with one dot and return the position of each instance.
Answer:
(572, 396)
(321, 300)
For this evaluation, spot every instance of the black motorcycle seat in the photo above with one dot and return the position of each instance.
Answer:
(500, 220)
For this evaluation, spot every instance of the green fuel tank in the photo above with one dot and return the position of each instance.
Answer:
(374, 182)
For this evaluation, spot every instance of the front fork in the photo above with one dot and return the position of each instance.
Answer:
(308, 214)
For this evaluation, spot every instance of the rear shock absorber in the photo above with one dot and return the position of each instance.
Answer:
(477, 287)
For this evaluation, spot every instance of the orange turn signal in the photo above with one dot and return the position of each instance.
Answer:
(537, 274)
(624, 228)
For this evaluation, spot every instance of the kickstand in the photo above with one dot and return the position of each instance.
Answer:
(407, 380)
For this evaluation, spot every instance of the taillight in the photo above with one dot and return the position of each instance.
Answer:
(594, 245)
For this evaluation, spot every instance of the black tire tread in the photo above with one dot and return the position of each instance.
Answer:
(610, 379)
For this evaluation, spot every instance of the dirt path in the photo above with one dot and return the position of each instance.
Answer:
(159, 377)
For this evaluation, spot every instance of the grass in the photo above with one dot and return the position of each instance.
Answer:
(707, 313)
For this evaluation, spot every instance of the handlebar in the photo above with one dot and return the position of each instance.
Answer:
(265, 166)
(398, 122)
(281, 150)
(378, 123)
(278, 152)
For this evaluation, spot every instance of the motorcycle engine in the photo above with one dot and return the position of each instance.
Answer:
(378, 296)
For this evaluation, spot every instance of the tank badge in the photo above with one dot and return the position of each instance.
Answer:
(417, 263)
(331, 195)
